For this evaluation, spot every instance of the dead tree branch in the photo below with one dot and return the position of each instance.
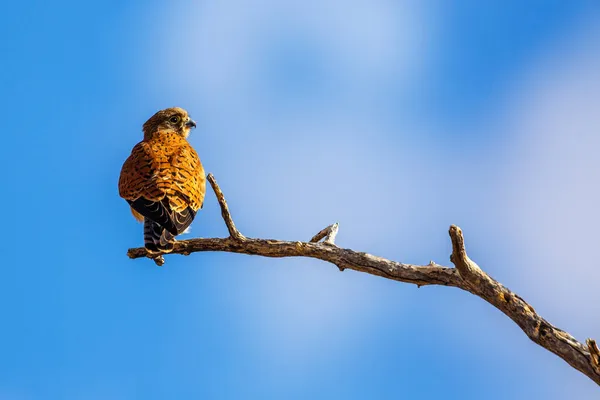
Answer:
(467, 276)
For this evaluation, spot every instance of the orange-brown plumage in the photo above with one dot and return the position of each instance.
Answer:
(164, 171)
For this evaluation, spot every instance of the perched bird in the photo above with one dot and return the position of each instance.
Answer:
(163, 179)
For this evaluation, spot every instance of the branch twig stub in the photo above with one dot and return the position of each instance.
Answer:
(233, 232)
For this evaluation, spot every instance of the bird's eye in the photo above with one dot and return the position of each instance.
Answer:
(174, 119)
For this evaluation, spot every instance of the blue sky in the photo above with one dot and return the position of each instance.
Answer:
(396, 119)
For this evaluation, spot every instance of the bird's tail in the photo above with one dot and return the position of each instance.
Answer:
(156, 238)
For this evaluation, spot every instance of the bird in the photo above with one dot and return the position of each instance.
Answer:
(163, 179)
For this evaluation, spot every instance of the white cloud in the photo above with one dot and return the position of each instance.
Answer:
(549, 200)
(552, 189)
(218, 47)
(290, 173)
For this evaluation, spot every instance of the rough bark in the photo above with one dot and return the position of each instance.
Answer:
(466, 275)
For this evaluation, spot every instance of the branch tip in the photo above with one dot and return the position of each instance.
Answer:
(328, 234)
(458, 244)
(466, 267)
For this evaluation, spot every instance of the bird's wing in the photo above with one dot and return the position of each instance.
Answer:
(140, 175)
(144, 182)
(188, 184)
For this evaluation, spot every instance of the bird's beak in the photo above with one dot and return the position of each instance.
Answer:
(190, 123)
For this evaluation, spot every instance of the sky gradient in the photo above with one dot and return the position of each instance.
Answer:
(393, 118)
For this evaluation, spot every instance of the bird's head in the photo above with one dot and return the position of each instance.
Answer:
(173, 119)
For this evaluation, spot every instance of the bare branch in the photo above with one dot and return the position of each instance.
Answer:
(467, 276)
(535, 327)
(233, 232)
(343, 258)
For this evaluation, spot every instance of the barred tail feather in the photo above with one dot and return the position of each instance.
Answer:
(166, 237)
(157, 211)
(160, 212)
(183, 220)
(156, 238)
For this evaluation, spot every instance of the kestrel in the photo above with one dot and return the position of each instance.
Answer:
(163, 180)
